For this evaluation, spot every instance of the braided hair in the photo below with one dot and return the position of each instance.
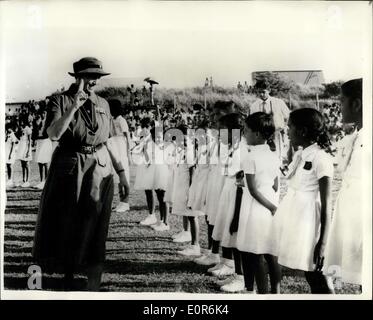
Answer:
(313, 121)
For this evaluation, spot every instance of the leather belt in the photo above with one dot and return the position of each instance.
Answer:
(85, 149)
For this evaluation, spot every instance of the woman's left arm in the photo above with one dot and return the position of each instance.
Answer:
(325, 184)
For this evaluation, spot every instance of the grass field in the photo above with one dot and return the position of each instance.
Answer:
(138, 258)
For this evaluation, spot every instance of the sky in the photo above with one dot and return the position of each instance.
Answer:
(179, 43)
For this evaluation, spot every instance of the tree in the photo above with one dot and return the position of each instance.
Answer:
(332, 89)
(280, 86)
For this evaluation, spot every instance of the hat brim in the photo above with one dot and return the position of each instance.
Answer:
(95, 71)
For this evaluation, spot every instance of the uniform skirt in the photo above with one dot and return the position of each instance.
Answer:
(345, 244)
(215, 183)
(75, 207)
(13, 156)
(299, 228)
(22, 151)
(161, 174)
(120, 150)
(170, 185)
(257, 229)
(198, 190)
(225, 214)
(145, 175)
(180, 190)
(44, 150)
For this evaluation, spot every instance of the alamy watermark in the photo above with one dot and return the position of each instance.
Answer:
(34, 281)
(222, 141)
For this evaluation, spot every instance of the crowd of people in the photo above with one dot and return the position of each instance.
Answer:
(26, 141)
(227, 170)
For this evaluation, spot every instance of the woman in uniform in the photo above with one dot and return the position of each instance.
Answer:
(75, 206)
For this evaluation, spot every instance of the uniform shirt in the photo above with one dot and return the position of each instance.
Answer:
(263, 163)
(270, 105)
(86, 128)
(354, 158)
(308, 167)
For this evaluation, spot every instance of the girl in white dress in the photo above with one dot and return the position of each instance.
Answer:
(44, 150)
(197, 192)
(121, 140)
(162, 154)
(24, 153)
(345, 244)
(182, 181)
(10, 154)
(304, 213)
(145, 170)
(230, 156)
(257, 229)
(215, 182)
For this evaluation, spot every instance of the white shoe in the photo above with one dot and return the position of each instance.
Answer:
(211, 259)
(200, 259)
(161, 227)
(122, 207)
(237, 285)
(216, 267)
(185, 237)
(193, 250)
(40, 186)
(26, 185)
(176, 235)
(223, 271)
(225, 281)
(149, 220)
(10, 184)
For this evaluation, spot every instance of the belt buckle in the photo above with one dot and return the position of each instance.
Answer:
(88, 149)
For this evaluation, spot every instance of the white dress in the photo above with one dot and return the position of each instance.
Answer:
(345, 243)
(24, 145)
(198, 188)
(145, 170)
(162, 170)
(171, 158)
(215, 183)
(299, 212)
(44, 150)
(119, 141)
(11, 139)
(257, 228)
(226, 202)
(180, 184)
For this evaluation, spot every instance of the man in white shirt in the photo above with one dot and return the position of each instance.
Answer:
(278, 109)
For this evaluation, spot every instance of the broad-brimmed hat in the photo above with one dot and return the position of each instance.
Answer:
(88, 65)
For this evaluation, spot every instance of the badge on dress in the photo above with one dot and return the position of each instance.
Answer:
(307, 165)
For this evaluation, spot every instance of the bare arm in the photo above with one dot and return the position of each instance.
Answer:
(257, 195)
(325, 184)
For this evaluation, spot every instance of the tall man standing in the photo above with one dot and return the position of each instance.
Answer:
(278, 109)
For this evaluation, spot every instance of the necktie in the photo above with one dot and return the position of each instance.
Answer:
(237, 208)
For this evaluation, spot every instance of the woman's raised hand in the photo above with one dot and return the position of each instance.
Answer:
(80, 96)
